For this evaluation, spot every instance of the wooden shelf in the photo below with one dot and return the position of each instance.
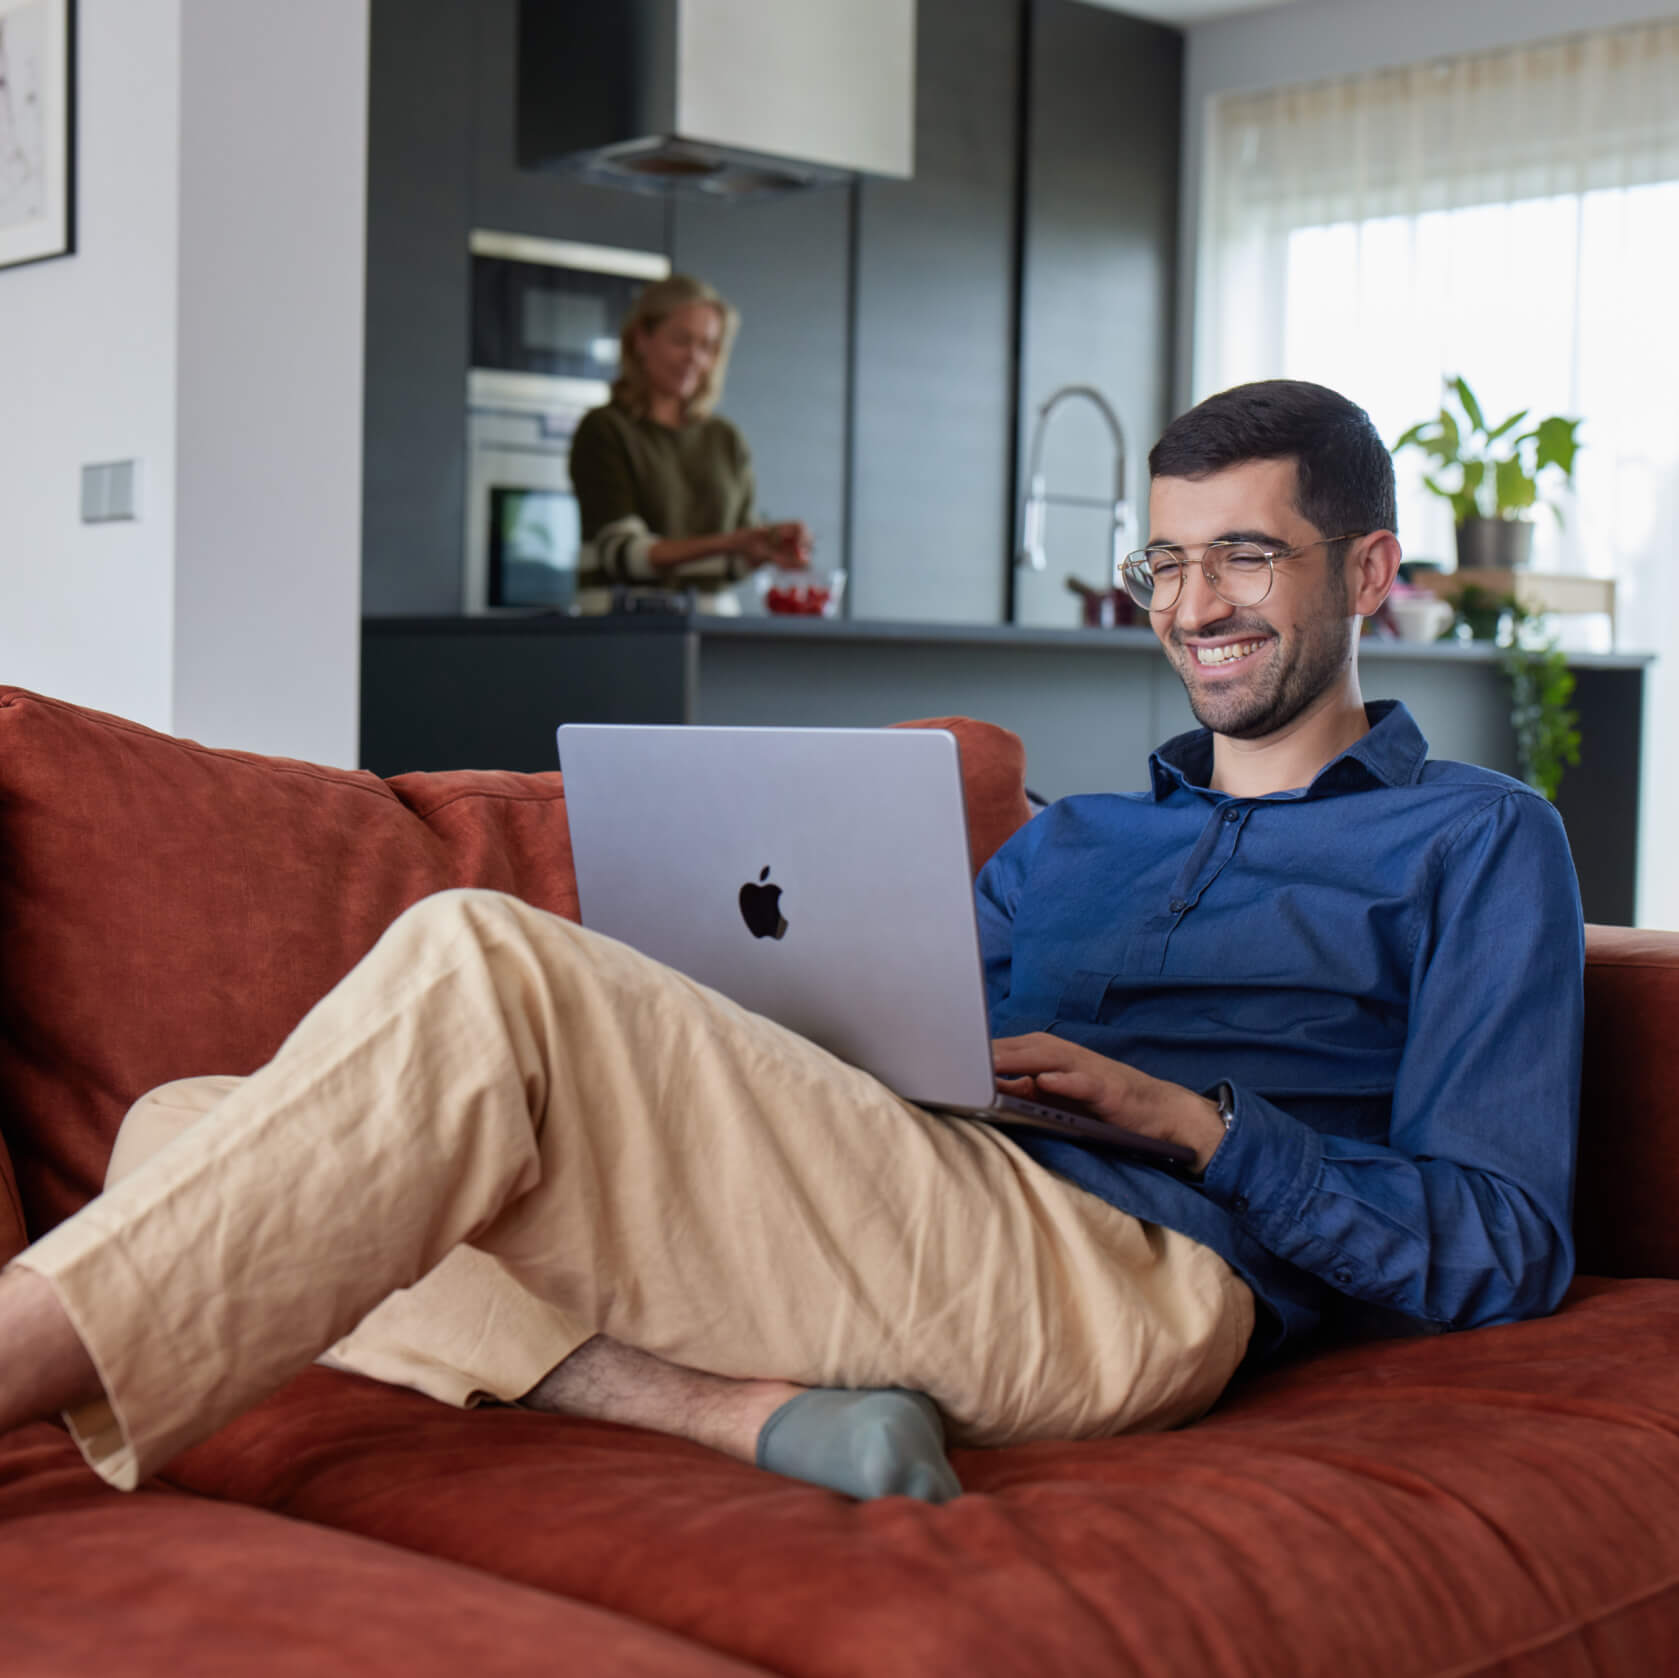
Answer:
(1538, 591)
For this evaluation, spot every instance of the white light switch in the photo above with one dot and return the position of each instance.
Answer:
(110, 490)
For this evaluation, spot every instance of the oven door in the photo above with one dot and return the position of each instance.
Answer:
(522, 532)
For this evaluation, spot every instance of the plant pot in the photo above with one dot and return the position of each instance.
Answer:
(1485, 622)
(1494, 544)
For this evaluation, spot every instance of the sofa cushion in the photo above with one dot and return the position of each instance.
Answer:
(167, 910)
(1624, 1203)
(1504, 1500)
(154, 1585)
(13, 1237)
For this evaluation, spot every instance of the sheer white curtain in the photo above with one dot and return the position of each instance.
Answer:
(1511, 216)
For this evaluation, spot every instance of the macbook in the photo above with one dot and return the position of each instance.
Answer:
(817, 876)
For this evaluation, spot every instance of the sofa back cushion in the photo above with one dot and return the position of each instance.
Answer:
(168, 910)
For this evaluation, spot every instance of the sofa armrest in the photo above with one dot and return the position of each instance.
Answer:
(1626, 1203)
(14, 1237)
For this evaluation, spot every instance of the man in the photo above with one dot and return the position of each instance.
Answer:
(1348, 979)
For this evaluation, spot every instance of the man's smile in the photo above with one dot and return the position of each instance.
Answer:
(1212, 654)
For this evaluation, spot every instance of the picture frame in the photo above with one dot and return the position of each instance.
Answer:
(37, 130)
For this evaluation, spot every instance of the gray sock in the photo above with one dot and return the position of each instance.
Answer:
(865, 1444)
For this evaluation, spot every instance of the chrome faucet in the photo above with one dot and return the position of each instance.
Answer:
(1038, 498)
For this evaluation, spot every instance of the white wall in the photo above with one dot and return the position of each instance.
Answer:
(87, 355)
(1310, 40)
(267, 621)
(208, 325)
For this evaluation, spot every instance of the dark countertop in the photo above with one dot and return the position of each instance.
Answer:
(710, 627)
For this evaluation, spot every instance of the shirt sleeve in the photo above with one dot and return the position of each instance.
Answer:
(601, 476)
(996, 897)
(1462, 1219)
(748, 483)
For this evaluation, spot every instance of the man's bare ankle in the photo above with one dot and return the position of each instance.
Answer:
(44, 1367)
(604, 1380)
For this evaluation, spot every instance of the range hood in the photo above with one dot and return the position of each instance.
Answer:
(727, 98)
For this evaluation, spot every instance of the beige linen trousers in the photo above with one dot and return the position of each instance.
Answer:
(501, 1134)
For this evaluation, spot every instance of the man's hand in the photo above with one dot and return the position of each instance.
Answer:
(1043, 1066)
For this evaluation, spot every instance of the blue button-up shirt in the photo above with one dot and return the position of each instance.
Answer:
(1386, 966)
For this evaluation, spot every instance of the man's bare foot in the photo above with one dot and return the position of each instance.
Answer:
(44, 1368)
(604, 1380)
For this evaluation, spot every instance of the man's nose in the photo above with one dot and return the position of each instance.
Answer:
(1197, 604)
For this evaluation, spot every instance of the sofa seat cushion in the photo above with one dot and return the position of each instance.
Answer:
(154, 1585)
(1505, 1500)
(169, 910)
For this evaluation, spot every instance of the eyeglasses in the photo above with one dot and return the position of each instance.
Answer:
(1239, 573)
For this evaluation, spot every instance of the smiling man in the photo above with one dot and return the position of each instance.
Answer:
(1348, 978)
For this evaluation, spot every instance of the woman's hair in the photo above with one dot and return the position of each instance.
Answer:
(654, 305)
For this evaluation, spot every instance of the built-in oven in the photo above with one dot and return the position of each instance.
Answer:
(545, 317)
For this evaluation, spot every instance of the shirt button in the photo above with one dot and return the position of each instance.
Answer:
(1232, 814)
(1239, 1204)
(1343, 1277)
(1177, 905)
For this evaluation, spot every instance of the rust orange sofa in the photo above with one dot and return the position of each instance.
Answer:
(1503, 1501)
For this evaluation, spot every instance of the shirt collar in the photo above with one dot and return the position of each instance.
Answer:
(1391, 754)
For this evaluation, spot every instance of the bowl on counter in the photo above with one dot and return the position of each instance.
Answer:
(800, 594)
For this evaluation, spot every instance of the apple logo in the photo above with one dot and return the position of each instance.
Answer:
(760, 907)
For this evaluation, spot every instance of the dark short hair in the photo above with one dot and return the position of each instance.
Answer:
(1344, 470)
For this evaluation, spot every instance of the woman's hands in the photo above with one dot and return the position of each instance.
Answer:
(786, 544)
(1052, 1068)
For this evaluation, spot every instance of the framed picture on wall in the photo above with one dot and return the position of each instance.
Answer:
(37, 130)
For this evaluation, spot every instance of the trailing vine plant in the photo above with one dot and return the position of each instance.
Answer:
(1541, 684)
(1546, 725)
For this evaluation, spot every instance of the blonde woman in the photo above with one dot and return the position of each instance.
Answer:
(664, 486)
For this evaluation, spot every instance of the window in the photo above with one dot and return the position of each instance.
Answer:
(1510, 216)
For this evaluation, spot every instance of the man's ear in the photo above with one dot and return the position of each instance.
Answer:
(1371, 568)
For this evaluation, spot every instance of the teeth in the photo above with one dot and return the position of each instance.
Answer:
(1223, 655)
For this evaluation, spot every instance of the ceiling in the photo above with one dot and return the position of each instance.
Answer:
(1185, 12)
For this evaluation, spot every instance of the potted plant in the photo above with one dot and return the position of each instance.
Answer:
(1495, 488)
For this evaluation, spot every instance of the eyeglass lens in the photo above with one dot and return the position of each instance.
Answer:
(1239, 573)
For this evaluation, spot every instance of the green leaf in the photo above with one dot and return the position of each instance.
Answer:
(1514, 420)
(1557, 444)
(1513, 487)
(1470, 406)
(1473, 473)
(1450, 436)
(1414, 435)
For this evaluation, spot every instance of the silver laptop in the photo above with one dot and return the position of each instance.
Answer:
(819, 876)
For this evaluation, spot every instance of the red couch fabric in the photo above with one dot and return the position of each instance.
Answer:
(156, 1585)
(1438, 1506)
(1626, 1203)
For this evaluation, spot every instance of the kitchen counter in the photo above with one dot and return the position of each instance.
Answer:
(443, 693)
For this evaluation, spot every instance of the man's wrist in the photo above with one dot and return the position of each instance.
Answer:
(1202, 1128)
(1222, 1099)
